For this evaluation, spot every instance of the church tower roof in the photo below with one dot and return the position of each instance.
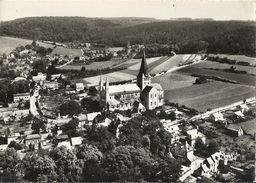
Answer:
(143, 66)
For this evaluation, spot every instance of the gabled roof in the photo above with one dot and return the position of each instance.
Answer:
(143, 66)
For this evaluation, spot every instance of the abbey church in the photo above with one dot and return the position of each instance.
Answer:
(140, 95)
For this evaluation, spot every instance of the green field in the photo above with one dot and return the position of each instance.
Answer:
(7, 44)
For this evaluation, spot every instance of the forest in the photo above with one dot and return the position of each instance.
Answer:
(230, 37)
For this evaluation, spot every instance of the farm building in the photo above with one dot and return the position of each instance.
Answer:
(235, 130)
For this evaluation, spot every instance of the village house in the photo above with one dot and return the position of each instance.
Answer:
(52, 85)
(123, 97)
(20, 97)
(32, 140)
(79, 86)
(76, 141)
(39, 78)
(243, 108)
(216, 117)
(193, 135)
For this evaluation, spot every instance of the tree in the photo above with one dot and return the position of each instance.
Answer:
(39, 168)
(83, 69)
(15, 145)
(9, 161)
(125, 163)
(92, 105)
(213, 147)
(166, 170)
(89, 152)
(93, 172)
(70, 127)
(70, 107)
(69, 168)
(199, 144)
(38, 125)
(93, 91)
(52, 70)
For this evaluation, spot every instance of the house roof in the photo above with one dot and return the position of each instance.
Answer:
(233, 127)
(126, 88)
(217, 114)
(91, 116)
(239, 113)
(76, 141)
(21, 94)
(33, 136)
(147, 89)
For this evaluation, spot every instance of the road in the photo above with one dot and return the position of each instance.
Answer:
(231, 106)
(33, 99)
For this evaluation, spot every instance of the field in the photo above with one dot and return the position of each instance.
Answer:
(216, 65)
(174, 80)
(238, 58)
(210, 95)
(7, 44)
(93, 66)
(245, 79)
(249, 127)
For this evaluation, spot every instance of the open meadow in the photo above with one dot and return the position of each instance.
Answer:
(216, 65)
(209, 95)
(245, 79)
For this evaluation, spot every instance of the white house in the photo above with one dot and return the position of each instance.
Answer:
(21, 97)
(216, 116)
(79, 86)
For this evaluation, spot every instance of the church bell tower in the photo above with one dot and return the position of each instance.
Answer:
(143, 78)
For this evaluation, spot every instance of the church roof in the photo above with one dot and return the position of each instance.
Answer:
(143, 66)
(126, 88)
(147, 89)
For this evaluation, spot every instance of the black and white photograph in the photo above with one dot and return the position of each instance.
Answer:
(128, 91)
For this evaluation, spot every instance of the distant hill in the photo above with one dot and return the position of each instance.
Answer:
(64, 29)
(234, 37)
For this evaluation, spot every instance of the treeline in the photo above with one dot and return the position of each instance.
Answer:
(226, 60)
(233, 37)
